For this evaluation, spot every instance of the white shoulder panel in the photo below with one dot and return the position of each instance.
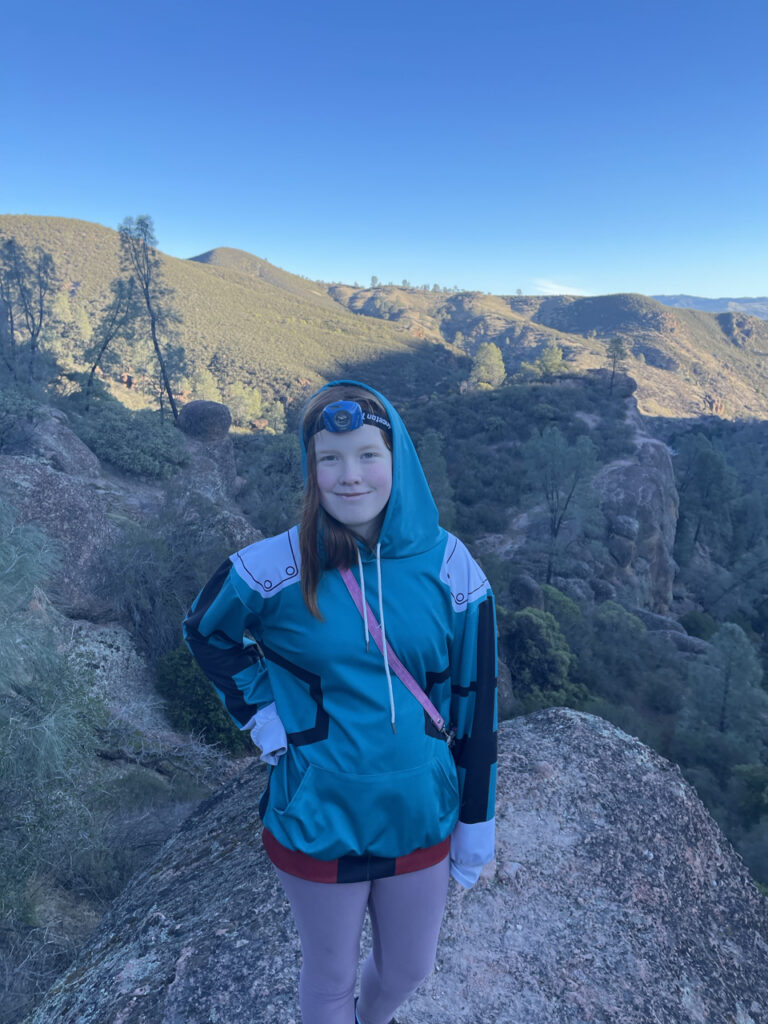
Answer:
(462, 574)
(270, 565)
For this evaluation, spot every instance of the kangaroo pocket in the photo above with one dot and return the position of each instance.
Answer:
(333, 814)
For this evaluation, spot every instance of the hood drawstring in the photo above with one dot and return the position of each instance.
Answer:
(384, 639)
(362, 588)
(381, 624)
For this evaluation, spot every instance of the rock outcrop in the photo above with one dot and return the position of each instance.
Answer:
(640, 502)
(56, 482)
(614, 898)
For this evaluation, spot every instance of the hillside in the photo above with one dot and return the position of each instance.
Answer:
(249, 325)
(686, 362)
(243, 320)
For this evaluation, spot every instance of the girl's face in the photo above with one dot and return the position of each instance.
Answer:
(354, 476)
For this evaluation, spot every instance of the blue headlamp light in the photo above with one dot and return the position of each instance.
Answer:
(339, 417)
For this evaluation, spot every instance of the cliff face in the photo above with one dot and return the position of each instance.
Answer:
(614, 897)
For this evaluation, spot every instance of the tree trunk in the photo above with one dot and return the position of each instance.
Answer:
(163, 371)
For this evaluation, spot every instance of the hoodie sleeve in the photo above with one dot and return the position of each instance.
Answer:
(214, 631)
(473, 709)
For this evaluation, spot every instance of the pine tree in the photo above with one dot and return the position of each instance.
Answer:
(617, 355)
(140, 259)
(487, 367)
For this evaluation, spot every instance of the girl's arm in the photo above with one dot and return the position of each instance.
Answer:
(214, 631)
(474, 715)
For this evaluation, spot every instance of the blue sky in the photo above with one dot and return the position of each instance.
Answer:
(550, 146)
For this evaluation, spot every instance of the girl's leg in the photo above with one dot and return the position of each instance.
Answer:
(406, 914)
(329, 918)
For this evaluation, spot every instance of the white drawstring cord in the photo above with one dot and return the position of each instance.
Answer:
(384, 637)
(362, 588)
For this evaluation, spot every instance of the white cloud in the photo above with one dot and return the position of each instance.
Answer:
(544, 287)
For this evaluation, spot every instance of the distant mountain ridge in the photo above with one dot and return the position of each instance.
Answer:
(751, 306)
(244, 323)
(249, 324)
(686, 362)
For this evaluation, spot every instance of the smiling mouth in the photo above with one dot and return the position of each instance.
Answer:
(357, 494)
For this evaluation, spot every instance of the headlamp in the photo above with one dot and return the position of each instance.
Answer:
(340, 417)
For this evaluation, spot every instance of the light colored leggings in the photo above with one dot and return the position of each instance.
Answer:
(406, 912)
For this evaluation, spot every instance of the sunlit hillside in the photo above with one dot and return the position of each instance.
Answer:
(248, 324)
(686, 362)
(243, 321)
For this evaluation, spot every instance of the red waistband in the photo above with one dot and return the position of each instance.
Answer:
(364, 868)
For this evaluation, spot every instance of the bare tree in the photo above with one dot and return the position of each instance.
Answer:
(140, 259)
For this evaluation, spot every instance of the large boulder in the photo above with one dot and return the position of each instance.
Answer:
(207, 421)
(614, 898)
(77, 515)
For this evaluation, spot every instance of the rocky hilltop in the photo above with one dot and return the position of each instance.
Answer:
(686, 362)
(614, 897)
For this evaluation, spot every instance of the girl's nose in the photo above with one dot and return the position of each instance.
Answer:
(350, 470)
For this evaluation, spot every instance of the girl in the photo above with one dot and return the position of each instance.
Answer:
(378, 785)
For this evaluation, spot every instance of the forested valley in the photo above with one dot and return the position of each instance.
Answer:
(625, 531)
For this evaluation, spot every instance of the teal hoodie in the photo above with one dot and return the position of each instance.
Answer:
(350, 786)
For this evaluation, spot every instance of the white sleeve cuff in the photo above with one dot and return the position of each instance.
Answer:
(473, 845)
(465, 876)
(268, 733)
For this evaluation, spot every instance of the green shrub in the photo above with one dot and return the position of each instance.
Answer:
(135, 442)
(192, 705)
(699, 624)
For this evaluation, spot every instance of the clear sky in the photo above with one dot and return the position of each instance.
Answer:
(548, 145)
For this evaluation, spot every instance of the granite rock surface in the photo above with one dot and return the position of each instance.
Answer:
(614, 898)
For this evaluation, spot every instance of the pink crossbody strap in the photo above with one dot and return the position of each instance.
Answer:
(399, 668)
